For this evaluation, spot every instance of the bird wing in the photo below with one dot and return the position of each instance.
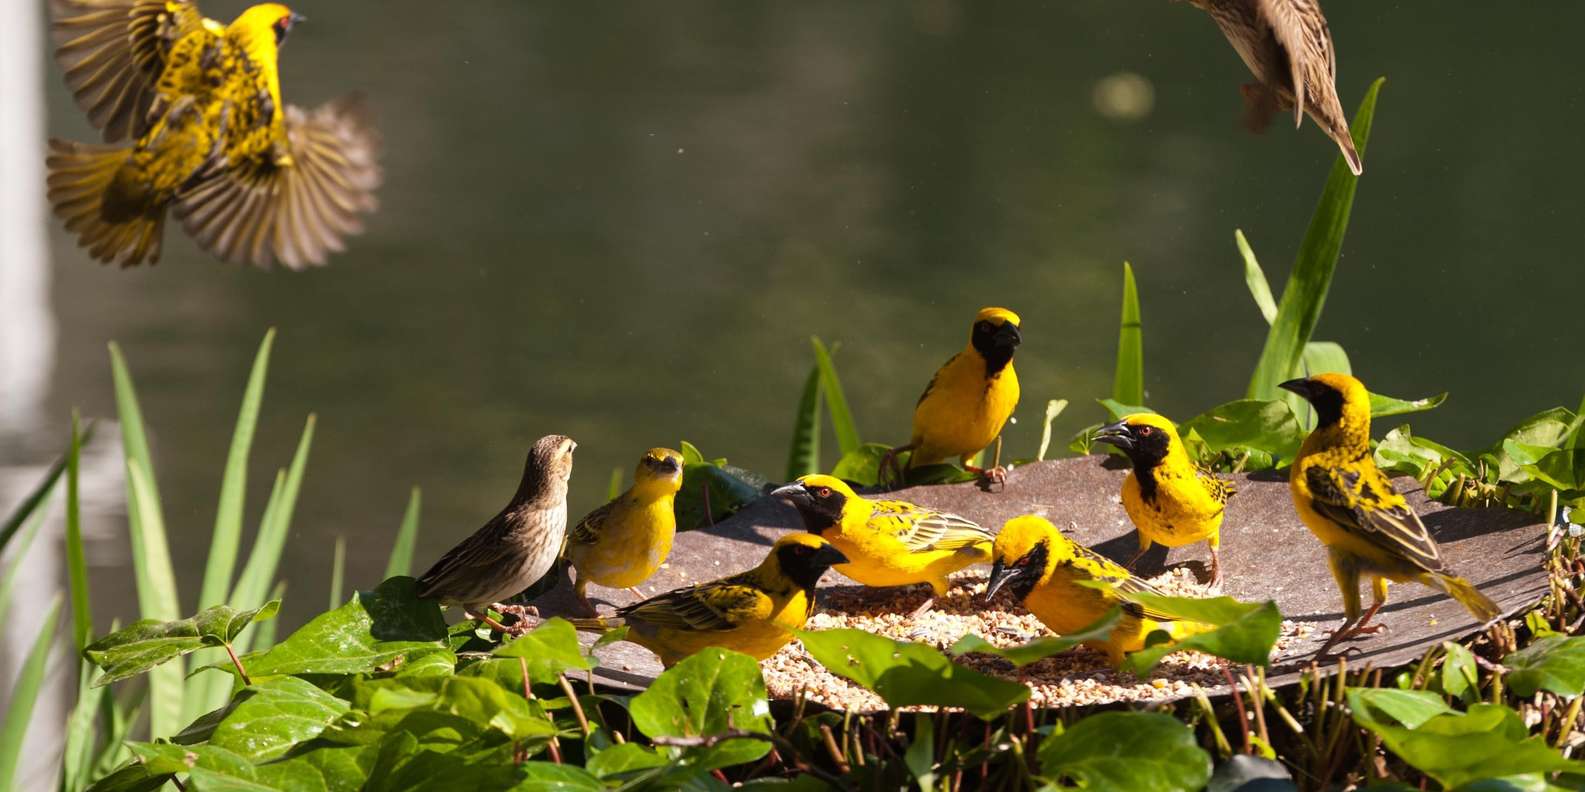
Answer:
(588, 529)
(929, 386)
(293, 206)
(113, 52)
(1220, 489)
(1365, 503)
(717, 605)
(1300, 28)
(921, 529)
(1104, 569)
(475, 556)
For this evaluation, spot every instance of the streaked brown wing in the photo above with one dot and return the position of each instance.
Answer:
(718, 605)
(1102, 568)
(1301, 29)
(588, 529)
(1369, 507)
(113, 52)
(298, 212)
(477, 558)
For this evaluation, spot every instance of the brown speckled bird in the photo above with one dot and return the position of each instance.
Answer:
(515, 548)
(1287, 46)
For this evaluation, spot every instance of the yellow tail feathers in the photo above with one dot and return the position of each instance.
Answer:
(81, 176)
(1180, 630)
(1470, 597)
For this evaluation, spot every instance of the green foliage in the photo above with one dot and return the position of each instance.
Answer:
(1555, 663)
(710, 693)
(24, 695)
(401, 560)
(803, 453)
(223, 547)
(1054, 408)
(149, 643)
(1128, 383)
(907, 674)
(1244, 632)
(729, 488)
(1262, 434)
(1305, 293)
(269, 718)
(1126, 752)
(1488, 741)
(831, 387)
(372, 629)
(1040, 648)
(550, 650)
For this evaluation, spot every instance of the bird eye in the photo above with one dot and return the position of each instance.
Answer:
(823, 492)
(1146, 431)
(986, 327)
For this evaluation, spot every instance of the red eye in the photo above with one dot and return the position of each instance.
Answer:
(1146, 431)
(823, 492)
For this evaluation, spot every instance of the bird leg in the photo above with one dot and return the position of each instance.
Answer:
(993, 475)
(890, 469)
(488, 622)
(1349, 630)
(635, 591)
(1216, 570)
(1135, 560)
(523, 613)
(930, 602)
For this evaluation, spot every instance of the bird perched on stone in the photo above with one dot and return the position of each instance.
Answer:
(1353, 508)
(753, 612)
(622, 543)
(1170, 499)
(970, 398)
(251, 178)
(1287, 46)
(516, 547)
(888, 542)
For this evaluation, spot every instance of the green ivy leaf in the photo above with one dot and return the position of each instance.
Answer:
(372, 629)
(148, 643)
(1489, 741)
(624, 758)
(1384, 406)
(862, 465)
(1267, 427)
(275, 715)
(550, 649)
(906, 674)
(1244, 631)
(1040, 648)
(711, 692)
(1555, 663)
(1460, 675)
(1126, 752)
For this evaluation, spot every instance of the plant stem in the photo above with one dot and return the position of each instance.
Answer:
(577, 707)
(237, 661)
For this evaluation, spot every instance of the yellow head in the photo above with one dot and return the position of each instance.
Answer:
(1025, 552)
(803, 557)
(997, 332)
(1339, 400)
(1147, 438)
(820, 500)
(660, 469)
(267, 21)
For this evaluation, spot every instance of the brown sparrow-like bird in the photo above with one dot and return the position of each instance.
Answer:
(515, 548)
(1287, 46)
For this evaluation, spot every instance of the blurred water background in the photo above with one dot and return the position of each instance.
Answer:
(622, 221)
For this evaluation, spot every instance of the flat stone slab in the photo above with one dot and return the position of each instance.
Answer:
(1267, 553)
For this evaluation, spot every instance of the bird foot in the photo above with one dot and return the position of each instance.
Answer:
(990, 477)
(924, 607)
(637, 592)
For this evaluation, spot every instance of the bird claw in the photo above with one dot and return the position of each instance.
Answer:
(990, 477)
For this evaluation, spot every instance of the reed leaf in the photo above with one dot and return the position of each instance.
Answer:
(401, 560)
(1128, 385)
(803, 456)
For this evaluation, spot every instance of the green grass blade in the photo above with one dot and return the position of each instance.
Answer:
(19, 549)
(803, 456)
(1255, 278)
(134, 441)
(23, 696)
(338, 572)
(1305, 293)
(224, 546)
(76, 558)
(30, 505)
(614, 487)
(1128, 386)
(1578, 441)
(1054, 408)
(157, 598)
(265, 557)
(401, 560)
(78, 757)
(264, 631)
(831, 386)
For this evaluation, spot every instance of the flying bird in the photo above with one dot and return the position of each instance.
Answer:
(193, 121)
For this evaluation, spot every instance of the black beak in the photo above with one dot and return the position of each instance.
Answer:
(1008, 335)
(793, 493)
(1117, 434)
(1301, 386)
(829, 556)
(1000, 574)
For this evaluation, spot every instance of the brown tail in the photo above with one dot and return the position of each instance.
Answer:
(81, 175)
(596, 624)
(1470, 597)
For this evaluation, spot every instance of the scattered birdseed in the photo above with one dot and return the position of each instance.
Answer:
(1079, 677)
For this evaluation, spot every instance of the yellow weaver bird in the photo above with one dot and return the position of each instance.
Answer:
(888, 542)
(970, 398)
(753, 612)
(622, 543)
(1046, 571)
(1171, 500)
(251, 178)
(1352, 507)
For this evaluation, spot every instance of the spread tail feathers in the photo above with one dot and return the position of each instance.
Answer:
(80, 177)
(1476, 603)
(598, 623)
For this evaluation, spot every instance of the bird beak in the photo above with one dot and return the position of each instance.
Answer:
(1008, 335)
(296, 18)
(1000, 574)
(829, 556)
(793, 493)
(1116, 434)
(1301, 386)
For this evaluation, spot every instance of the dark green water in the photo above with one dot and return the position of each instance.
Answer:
(622, 221)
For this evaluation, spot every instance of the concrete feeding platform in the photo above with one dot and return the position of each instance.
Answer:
(1267, 553)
